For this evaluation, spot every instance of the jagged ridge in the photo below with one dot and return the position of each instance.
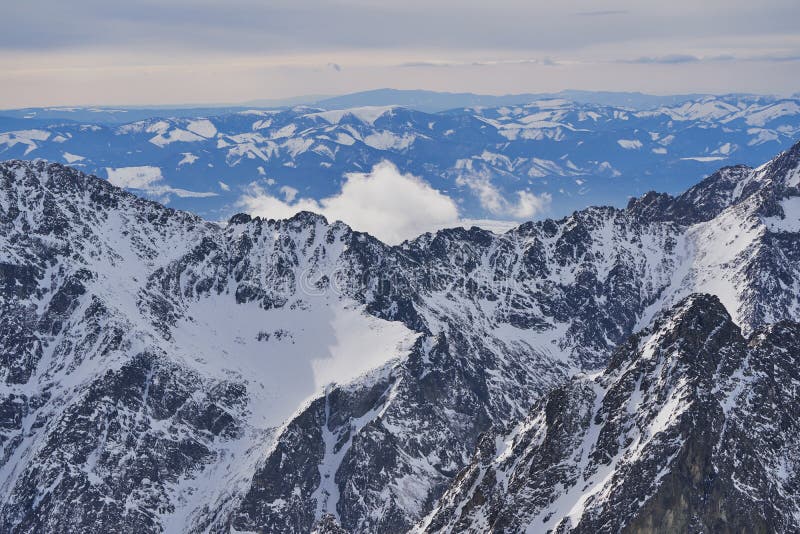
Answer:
(690, 429)
(104, 294)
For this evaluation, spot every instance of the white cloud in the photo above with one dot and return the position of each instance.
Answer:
(488, 195)
(526, 206)
(224, 186)
(394, 207)
(529, 205)
(289, 193)
(384, 202)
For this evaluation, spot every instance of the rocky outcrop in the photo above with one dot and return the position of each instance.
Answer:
(690, 429)
(163, 373)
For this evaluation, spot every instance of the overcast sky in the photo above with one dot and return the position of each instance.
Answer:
(54, 52)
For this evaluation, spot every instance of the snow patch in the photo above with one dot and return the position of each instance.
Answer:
(366, 114)
(134, 177)
(202, 127)
(188, 159)
(630, 144)
(72, 158)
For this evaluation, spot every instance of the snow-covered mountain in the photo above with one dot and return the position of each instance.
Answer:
(691, 428)
(164, 373)
(570, 154)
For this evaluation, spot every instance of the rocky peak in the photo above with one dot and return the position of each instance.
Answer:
(701, 202)
(786, 164)
(678, 435)
(692, 334)
(308, 218)
(726, 187)
(125, 299)
(240, 218)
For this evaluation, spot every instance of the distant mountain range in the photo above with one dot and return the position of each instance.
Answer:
(432, 101)
(562, 154)
(420, 100)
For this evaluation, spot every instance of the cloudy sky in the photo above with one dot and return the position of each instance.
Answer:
(201, 51)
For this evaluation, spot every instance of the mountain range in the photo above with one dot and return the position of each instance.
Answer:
(625, 369)
(419, 100)
(511, 162)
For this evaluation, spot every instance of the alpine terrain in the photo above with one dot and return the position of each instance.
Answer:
(569, 150)
(631, 369)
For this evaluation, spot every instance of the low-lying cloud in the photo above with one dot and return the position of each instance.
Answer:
(527, 205)
(384, 202)
(394, 207)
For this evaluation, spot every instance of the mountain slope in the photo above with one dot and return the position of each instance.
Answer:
(691, 428)
(742, 240)
(148, 355)
(581, 272)
(128, 387)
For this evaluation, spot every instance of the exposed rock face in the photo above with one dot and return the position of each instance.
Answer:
(692, 428)
(162, 373)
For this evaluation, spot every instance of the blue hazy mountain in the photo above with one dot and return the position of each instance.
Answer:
(114, 114)
(579, 153)
(420, 100)
(433, 101)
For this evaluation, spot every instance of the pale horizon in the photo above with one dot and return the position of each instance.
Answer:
(200, 53)
(258, 102)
